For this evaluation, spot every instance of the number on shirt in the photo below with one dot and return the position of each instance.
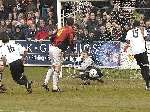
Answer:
(135, 33)
(10, 48)
(60, 32)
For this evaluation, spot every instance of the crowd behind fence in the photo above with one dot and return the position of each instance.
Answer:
(94, 21)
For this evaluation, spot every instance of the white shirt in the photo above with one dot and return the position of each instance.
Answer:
(12, 51)
(137, 41)
(85, 64)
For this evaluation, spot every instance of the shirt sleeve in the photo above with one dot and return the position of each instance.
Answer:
(128, 36)
(71, 36)
(21, 49)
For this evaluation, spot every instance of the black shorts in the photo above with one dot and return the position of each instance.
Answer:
(17, 68)
(142, 59)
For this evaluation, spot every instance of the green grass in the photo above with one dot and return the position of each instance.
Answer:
(115, 95)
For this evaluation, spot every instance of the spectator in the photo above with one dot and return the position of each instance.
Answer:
(1, 9)
(86, 18)
(30, 32)
(21, 6)
(102, 34)
(92, 26)
(10, 16)
(117, 33)
(51, 23)
(14, 13)
(8, 7)
(104, 18)
(36, 16)
(108, 34)
(23, 27)
(83, 35)
(18, 35)
(42, 31)
(51, 27)
(8, 22)
(2, 26)
(31, 7)
(30, 16)
(9, 28)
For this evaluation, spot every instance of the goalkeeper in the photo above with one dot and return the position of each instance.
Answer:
(87, 69)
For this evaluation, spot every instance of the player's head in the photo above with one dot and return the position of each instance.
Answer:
(84, 54)
(70, 21)
(136, 23)
(5, 37)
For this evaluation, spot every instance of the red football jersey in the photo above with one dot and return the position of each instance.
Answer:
(64, 37)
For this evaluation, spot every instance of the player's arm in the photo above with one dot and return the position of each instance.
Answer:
(144, 32)
(3, 59)
(71, 41)
(23, 52)
(85, 64)
(127, 45)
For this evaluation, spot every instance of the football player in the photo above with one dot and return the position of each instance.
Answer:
(136, 40)
(14, 55)
(87, 70)
(63, 39)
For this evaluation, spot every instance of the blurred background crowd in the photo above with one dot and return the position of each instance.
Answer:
(102, 20)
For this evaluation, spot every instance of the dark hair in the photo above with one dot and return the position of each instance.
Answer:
(69, 21)
(136, 23)
(4, 37)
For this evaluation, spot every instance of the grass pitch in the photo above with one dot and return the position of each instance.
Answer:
(113, 96)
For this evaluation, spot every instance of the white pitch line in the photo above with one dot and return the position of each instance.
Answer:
(17, 111)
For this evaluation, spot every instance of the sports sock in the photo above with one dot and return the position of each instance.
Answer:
(55, 80)
(48, 75)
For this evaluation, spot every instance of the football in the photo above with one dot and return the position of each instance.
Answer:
(93, 73)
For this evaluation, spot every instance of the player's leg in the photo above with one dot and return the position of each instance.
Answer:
(50, 70)
(2, 88)
(142, 61)
(145, 70)
(47, 78)
(17, 71)
(56, 73)
(84, 77)
(48, 75)
(100, 76)
(145, 75)
(56, 64)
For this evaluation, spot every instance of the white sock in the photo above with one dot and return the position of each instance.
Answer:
(48, 76)
(55, 80)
